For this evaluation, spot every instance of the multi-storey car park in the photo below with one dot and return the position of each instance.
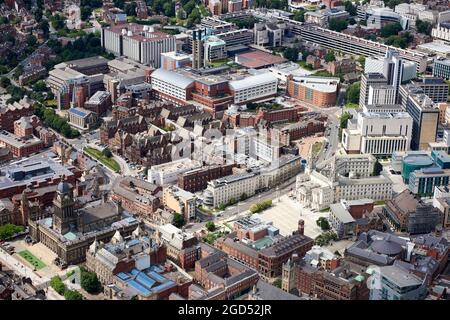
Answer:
(340, 41)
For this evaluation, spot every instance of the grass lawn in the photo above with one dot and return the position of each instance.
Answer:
(50, 103)
(32, 259)
(325, 210)
(352, 105)
(109, 162)
(218, 63)
(380, 203)
(316, 147)
(305, 66)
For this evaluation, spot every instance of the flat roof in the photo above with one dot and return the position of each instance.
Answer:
(258, 59)
(253, 81)
(172, 77)
(323, 84)
(400, 277)
(435, 47)
(341, 213)
(16, 141)
(138, 33)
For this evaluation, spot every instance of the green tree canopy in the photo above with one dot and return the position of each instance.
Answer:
(178, 220)
(4, 82)
(72, 295)
(107, 153)
(90, 282)
(350, 8)
(8, 230)
(391, 29)
(423, 27)
(337, 24)
(291, 54)
(323, 223)
(277, 283)
(57, 284)
(299, 15)
(353, 92)
(344, 119)
(210, 226)
(377, 168)
(40, 86)
(330, 56)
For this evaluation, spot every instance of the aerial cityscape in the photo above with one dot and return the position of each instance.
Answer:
(225, 150)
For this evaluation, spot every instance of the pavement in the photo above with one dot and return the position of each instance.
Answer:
(21, 268)
(285, 213)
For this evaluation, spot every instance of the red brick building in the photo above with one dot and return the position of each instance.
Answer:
(318, 91)
(197, 180)
(213, 92)
(20, 146)
(14, 112)
(269, 260)
(300, 130)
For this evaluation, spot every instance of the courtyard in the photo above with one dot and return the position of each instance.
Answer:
(32, 259)
(41, 253)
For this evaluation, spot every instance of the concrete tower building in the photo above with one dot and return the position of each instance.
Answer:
(198, 60)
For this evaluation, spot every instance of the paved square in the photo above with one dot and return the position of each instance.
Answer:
(285, 215)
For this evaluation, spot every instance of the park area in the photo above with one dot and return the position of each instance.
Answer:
(107, 161)
(32, 259)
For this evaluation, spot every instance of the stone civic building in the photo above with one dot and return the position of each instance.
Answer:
(69, 232)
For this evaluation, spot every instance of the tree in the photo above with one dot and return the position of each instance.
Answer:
(40, 86)
(169, 9)
(130, 9)
(8, 230)
(57, 284)
(377, 168)
(323, 223)
(107, 153)
(344, 120)
(72, 295)
(31, 40)
(291, 54)
(243, 197)
(362, 61)
(391, 29)
(119, 4)
(392, 3)
(423, 27)
(18, 72)
(329, 57)
(4, 82)
(178, 220)
(337, 24)
(299, 15)
(277, 283)
(90, 282)
(210, 226)
(85, 12)
(350, 8)
(188, 7)
(353, 92)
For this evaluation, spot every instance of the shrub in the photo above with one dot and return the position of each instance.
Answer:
(210, 226)
(72, 295)
(258, 207)
(57, 284)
